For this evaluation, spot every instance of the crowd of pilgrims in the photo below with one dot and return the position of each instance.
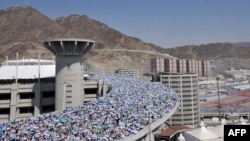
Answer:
(130, 105)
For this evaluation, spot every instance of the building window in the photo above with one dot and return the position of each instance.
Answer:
(4, 111)
(187, 115)
(188, 82)
(176, 119)
(68, 86)
(186, 100)
(173, 87)
(190, 119)
(26, 110)
(48, 94)
(188, 105)
(68, 96)
(186, 91)
(90, 91)
(5, 96)
(186, 96)
(48, 108)
(69, 102)
(27, 95)
(68, 91)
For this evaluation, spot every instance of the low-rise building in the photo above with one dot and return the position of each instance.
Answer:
(27, 88)
(129, 72)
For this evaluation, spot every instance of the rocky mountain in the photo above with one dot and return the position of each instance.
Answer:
(22, 30)
(108, 38)
(223, 55)
(243, 44)
(211, 51)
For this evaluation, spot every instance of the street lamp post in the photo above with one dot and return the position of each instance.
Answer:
(217, 78)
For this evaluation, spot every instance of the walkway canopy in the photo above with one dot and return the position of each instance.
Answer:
(169, 133)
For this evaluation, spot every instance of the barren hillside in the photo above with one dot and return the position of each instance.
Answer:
(22, 30)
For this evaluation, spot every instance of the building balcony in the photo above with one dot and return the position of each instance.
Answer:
(5, 86)
(26, 102)
(25, 115)
(4, 116)
(26, 86)
(7, 101)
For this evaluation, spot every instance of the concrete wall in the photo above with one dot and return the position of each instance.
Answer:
(69, 81)
(13, 103)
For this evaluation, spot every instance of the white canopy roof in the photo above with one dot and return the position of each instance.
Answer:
(28, 69)
(207, 133)
(26, 72)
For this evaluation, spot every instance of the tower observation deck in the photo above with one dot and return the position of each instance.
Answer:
(69, 69)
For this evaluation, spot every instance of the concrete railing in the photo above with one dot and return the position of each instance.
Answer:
(216, 114)
(153, 126)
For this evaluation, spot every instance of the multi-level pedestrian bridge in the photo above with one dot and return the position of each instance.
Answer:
(130, 111)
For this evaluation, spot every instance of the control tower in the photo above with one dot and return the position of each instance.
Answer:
(69, 70)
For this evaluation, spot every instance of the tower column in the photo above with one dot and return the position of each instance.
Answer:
(69, 70)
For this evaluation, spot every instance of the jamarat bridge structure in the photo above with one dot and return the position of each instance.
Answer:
(131, 110)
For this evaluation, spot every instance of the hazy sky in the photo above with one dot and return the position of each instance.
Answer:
(167, 23)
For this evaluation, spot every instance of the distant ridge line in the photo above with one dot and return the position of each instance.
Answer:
(139, 51)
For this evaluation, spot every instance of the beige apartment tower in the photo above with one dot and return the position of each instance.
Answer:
(186, 85)
(181, 66)
(69, 70)
(170, 65)
(157, 65)
(173, 65)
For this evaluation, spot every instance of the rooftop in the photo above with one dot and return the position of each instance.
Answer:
(172, 130)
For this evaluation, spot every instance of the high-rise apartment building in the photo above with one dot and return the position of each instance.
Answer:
(186, 85)
(205, 68)
(170, 65)
(157, 65)
(173, 65)
(181, 66)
